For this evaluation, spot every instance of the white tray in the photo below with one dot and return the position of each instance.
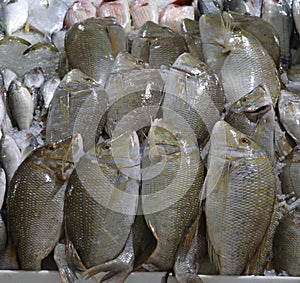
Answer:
(137, 277)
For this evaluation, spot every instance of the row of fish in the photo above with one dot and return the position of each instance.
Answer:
(192, 136)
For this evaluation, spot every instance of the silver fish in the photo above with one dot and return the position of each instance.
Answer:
(239, 202)
(20, 104)
(34, 78)
(8, 76)
(48, 89)
(10, 156)
(289, 113)
(290, 181)
(15, 15)
(279, 14)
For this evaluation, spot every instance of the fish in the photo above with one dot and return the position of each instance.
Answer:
(282, 145)
(143, 11)
(157, 45)
(296, 14)
(11, 156)
(77, 106)
(254, 116)
(172, 178)
(101, 204)
(172, 16)
(3, 234)
(279, 14)
(189, 29)
(20, 104)
(35, 200)
(289, 175)
(79, 11)
(8, 76)
(209, 7)
(46, 16)
(241, 7)
(118, 9)
(15, 15)
(34, 78)
(239, 201)
(98, 42)
(286, 245)
(135, 92)
(247, 66)
(289, 110)
(193, 91)
(262, 30)
(48, 89)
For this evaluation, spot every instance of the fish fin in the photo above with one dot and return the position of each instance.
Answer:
(263, 254)
(40, 45)
(191, 233)
(214, 257)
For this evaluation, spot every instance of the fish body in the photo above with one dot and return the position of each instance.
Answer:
(286, 245)
(15, 14)
(97, 42)
(210, 7)
(296, 14)
(102, 198)
(118, 9)
(47, 16)
(173, 15)
(143, 11)
(239, 199)
(79, 11)
(279, 14)
(172, 178)
(157, 45)
(20, 104)
(289, 112)
(77, 106)
(290, 173)
(241, 7)
(247, 66)
(36, 198)
(3, 234)
(193, 91)
(48, 89)
(134, 92)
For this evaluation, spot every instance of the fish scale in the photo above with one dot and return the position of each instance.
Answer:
(240, 199)
(247, 66)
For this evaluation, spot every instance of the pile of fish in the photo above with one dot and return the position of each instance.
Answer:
(150, 135)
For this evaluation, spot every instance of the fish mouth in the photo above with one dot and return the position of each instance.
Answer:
(257, 114)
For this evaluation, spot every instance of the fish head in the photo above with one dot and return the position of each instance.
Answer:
(188, 64)
(126, 62)
(152, 30)
(230, 144)
(121, 152)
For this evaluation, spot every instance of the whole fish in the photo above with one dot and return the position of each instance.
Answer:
(79, 11)
(77, 106)
(173, 15)
(193, 91)
(290, 181)
(172, 178)
(239, 202)
(134, 93)
(289, 113)
(48, 89)
(101, 204)
(118, 9)
(10, 155)
(279, 14)
(98, 42)
(189, 29)
(47, 16)
(157, 45)
(36, 198)
(14, 15)
(286, 244)
(247, 66)
(143, 11)
(20, 104)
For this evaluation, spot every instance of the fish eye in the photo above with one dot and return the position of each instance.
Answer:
(51, 147)
(107, 146)
(244, 140)
(178, 136)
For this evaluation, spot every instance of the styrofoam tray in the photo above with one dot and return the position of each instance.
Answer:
(137, 277)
